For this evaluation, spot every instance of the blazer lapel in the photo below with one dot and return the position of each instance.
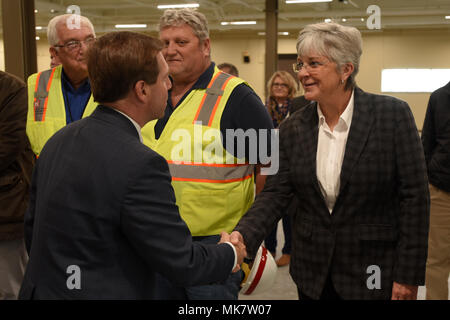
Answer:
(359, 132)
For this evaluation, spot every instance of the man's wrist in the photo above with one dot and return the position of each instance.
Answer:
(235, 255)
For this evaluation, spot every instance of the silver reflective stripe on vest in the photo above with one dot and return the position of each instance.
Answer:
(41, 94)
(215, 173)
(212, 95)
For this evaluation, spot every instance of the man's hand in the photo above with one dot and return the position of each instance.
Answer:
(241, 251)
(236, 238)
(224, 237)
(404, 292)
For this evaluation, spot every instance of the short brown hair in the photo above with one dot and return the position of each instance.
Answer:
(231, 68)
(118, 60)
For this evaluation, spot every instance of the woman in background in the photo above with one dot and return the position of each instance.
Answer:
(282, 88)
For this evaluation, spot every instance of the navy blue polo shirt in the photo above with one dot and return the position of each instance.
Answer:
(244, 110)
(75, 100)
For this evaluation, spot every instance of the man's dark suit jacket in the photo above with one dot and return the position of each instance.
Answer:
(103, 202)
(381, 214)
(436, 138)
(16, 157)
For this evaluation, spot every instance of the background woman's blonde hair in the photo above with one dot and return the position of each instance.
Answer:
(271, 103)
(339, 44)
(288, 79)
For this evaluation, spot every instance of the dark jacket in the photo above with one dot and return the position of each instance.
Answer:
(436, 138)
(16, 157)
(102, 202)
(298, 103)
(380, 217)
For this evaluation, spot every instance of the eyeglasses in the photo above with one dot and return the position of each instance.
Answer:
(76, 44)
(310, 67)
(282, 85)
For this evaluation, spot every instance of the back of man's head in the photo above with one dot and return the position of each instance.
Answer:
(118, 60)
(229, 68)
(193, 18)
(72, 22)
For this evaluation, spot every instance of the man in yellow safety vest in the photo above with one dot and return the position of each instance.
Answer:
(206, 116)
(61, 95)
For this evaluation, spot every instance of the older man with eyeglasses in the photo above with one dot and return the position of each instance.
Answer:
(61, 95)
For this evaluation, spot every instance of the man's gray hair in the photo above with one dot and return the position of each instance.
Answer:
(53, 25)
(196, 20)
(339, 44)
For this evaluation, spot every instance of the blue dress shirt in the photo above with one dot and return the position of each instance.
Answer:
(75, 100)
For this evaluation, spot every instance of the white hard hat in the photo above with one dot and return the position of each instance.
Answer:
(262, 275)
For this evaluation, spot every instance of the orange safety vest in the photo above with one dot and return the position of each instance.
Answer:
(213, 188)
(46, 107)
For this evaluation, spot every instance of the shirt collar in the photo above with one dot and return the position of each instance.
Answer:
(346, 116)
(205, 78)
(136, 125)
(201, 83)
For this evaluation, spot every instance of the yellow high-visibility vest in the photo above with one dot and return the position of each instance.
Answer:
(213, 189)
(46, 107)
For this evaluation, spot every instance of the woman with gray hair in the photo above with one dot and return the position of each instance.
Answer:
(355, 164)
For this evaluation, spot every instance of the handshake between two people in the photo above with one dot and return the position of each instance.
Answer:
(236, 239)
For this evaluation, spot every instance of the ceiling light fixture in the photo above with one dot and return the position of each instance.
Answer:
(447, 17)
(131, 26)
(284, 33)
(238, 23)
(178, 6)
(307, 1)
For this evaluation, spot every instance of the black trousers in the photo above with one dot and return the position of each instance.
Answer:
(328, 293)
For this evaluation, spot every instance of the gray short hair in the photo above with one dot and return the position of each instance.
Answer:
(52, 28)
(196, 20)
(338, 43)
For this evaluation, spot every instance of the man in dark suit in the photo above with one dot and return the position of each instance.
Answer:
(355, 163)
(102, 218)
(436, 145)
